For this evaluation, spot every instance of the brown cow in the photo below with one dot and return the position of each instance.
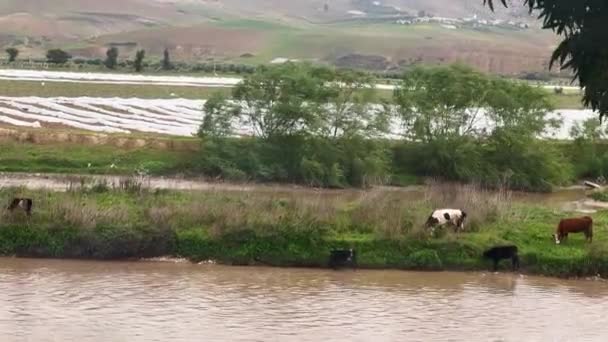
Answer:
(574, 225)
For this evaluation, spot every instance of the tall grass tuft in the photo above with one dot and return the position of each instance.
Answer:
(481, 205)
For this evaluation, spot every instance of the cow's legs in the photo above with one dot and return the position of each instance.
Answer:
(515, 262)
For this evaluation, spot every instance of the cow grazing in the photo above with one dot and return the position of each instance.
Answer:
(498, 253)
(574, 225)
(339, 258)
(23, 203)
(441, 217)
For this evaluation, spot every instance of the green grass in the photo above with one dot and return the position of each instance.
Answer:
(295, 229)
(54, 89)
(75, 158)
(567, 101)
(601, 196)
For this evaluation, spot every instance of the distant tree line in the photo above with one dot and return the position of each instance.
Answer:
(327, 127)
(112, 61)
(61, 58)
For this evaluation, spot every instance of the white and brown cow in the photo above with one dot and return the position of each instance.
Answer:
(25, 204)
(442, 217)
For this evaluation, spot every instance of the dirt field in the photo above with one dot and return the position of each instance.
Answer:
(225, 30)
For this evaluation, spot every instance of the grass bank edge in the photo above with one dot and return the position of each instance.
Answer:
(293, 232)
(250, 249)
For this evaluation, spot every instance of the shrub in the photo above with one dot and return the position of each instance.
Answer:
(425, 259)
(58, 56)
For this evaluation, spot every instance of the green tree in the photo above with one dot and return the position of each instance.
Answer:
(305, 129)
(588, 152)
(441, 103)
(219, 117)
(590, 130)
(12, 54)
(279, 100)
(57, 56)
(467, 126)
(518, 108)
(139, 60)
(166, 64)
(456, 101)
(111, 58)
(584, 47)
(349, 109)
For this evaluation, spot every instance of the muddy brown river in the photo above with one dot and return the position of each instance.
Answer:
(56, 300)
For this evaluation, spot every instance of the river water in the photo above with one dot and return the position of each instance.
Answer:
(56, 300)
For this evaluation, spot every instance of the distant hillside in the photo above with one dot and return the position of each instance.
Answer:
(376, 34)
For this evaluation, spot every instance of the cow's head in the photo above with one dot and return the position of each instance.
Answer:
(556, 239)
(431, 222)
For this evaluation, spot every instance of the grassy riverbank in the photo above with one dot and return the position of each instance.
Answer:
(114, 157)
(294, 228)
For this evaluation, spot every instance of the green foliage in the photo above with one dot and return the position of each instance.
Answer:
(139, 60)
(588, 153)
(166, 63)
(219, 117)
(296, 99)
(441, 109)
(279, 100)
(525, 163)
(347, 109)
(447, 103)
(440, 103)
(313, 161)
(313, 172)
(424, 259)
(601, 196)
(57, 56)
(111, 58)
(310, 125)
(12, 54)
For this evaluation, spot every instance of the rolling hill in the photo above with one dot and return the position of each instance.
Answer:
(375, 34)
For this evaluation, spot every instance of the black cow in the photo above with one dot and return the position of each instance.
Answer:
(23, 203)
(503, 252)
(339, 258)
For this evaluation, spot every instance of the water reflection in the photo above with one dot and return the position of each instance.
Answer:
(47, 300)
